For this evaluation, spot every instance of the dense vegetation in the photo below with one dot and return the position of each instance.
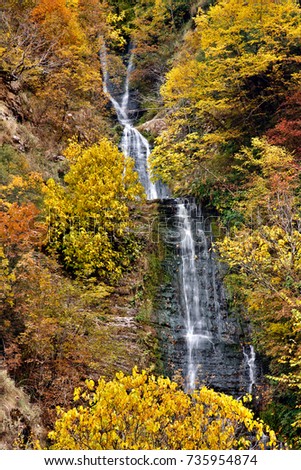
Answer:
(224, 78)
(144, 412)
(231, 97)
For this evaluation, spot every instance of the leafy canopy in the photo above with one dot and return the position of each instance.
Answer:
(263, 257)
(234, 71)
(142, 411)
(89, 218)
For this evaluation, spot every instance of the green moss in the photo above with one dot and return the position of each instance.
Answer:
(12, 163)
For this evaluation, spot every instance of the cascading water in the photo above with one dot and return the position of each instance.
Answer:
(195, 321)
(201, 339)
(250, 361)
(133, 143)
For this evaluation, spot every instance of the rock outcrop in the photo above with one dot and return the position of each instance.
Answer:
(154, 127)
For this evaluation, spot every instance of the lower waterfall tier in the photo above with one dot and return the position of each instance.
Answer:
(204, 342)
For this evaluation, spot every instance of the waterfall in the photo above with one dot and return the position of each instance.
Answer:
(250, 358)
(133, 143)
(198, 336)
(195, 320)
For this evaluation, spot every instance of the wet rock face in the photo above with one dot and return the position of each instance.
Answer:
(219, 359)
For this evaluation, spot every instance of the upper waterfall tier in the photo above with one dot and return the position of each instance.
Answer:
(133, 143)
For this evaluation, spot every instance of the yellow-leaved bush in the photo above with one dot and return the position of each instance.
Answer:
(89, 218)
(141, 411)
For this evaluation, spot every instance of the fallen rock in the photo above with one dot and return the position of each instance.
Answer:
(155, 126)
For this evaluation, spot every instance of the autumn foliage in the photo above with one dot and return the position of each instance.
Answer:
(89, 218)
(145, 412)
(20, 229)
(223, 78)
(224, 88)
(263, 257)
(232, 139)
(287, 131)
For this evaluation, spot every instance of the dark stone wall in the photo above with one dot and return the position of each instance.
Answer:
(222, 363)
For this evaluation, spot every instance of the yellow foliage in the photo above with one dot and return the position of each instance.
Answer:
(232, 69)
(142, 411)
(264, 256)
(89, 219)
(6, 279)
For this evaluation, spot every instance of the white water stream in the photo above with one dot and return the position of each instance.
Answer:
(250, 362)
(198, 286)
(195, 321)
(133, 143)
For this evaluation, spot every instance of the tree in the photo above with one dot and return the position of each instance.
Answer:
(263, 258)
(287, 131)
(89, 219)
(225, 86)
(19, 229)
(6, 280)
(50, 329)
(52, 49)
(21, 226)
(30, 46)
(154, 34)
(142, 411)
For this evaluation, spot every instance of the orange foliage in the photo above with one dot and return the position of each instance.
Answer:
(19, 229)
(45, 8)
(287, 131)
(59, 24)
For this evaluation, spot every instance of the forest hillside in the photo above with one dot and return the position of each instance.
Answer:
(216, 91)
